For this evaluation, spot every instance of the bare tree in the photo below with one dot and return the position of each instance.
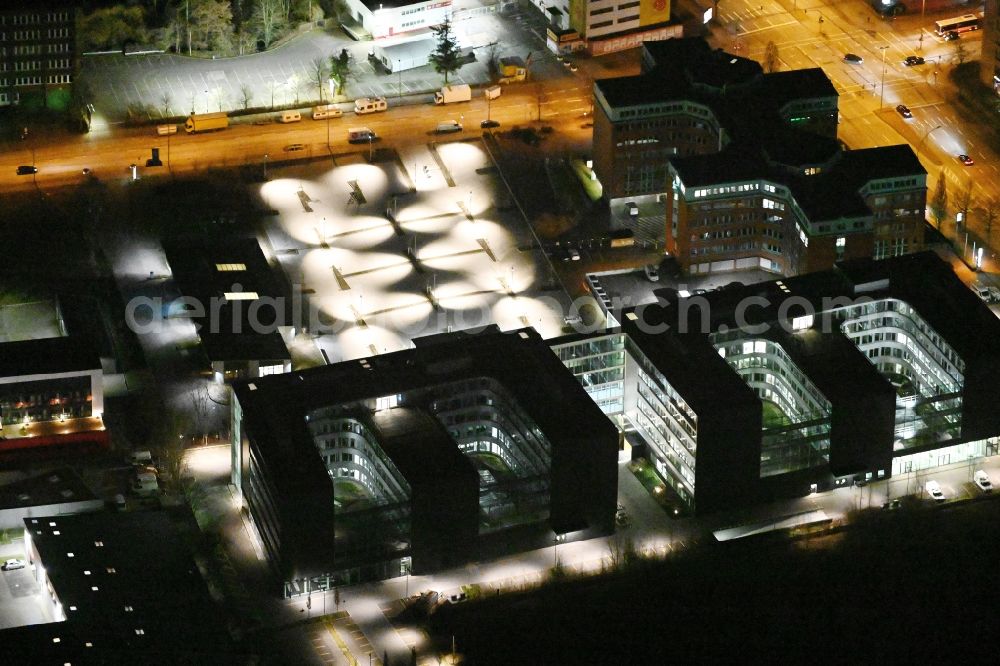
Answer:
(165, 100)
(269, 18)
(771, 57)
(964, 204)
(939, 202)
(991, 210)
(961, 53)
(319, 73)
(246, 95)
(272, 85)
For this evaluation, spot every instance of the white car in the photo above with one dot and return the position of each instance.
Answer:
(10, 565)
(934, 490)
(574, 254)
(982, 481)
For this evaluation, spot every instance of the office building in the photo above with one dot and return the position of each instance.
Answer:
(748, 167)
(693, 100)
(420, 460)
(239, 304)
(388, 18)
(37, 48)
(869, 370)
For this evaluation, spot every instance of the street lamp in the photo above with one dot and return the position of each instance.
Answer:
(927, 134)
(265, 166)
(881, 95)
(399, 71)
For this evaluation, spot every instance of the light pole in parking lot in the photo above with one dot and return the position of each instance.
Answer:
(265, 166)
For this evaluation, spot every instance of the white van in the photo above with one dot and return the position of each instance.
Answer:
(364, 105)
(325, 111)
(166, 129)
(360, 134)
(141, 458)
(290, 117)
(448, 126)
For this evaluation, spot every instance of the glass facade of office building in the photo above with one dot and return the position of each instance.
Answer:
(372, 498)
(598, 363)
(796, 420)
(511, 454)
(965, 453)
(926, 372)
(668, 424)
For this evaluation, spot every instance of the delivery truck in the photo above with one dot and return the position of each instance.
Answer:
(206, 122)
(460, 93)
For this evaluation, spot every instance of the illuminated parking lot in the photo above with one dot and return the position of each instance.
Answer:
(390, 251)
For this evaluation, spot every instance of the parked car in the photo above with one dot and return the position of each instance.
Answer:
(12, 564)
(904, 111)
(913, 60)
(933, 489)
(574, 254)
(892, 505)
(26, 170)
(853, 58)
(486, 124)
(982, 481)
(966, 160)
(994, 294)
(950, 36)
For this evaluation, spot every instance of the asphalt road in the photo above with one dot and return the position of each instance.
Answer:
(868, 117)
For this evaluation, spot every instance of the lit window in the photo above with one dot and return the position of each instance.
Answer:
(86, 572)
(241, 295)
(111, 570)
(55, 640)
(128, 609)
(747, 347)
(139, 632)
(94, 588)
(69, 554)
(387, 402)
(802, 323)
(230, 268)
(99, 544)
(841, 241)
(760, 347)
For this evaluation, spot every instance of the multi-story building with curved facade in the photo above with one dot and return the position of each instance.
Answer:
(869, 370)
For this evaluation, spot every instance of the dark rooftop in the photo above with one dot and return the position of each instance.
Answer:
(47, 356)
(419, 446)
(831, 194)
(207, 269)
(275, 407)
(56, 487)
(128, 586)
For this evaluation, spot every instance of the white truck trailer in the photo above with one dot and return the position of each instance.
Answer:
(458, 93)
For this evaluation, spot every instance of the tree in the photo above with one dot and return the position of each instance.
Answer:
(165, 100)
(964, 204)
(961, 53)
(319, 73)
(991, 210)
(939, 202)
(771, 57)
(246, 95)
(212, 25)
(447, 56)
(340, 69)
(110, 28)
(268, 18)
